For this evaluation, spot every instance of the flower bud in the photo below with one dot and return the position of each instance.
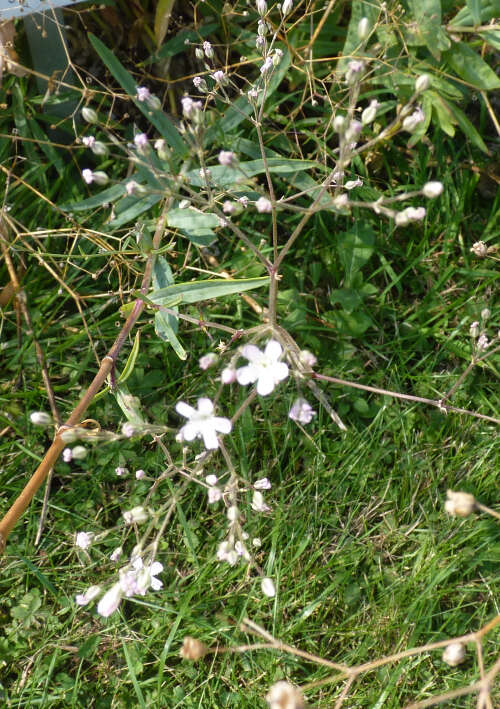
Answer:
(233, 513)
(193, 649)
(286, 7)
(411, 122)
(364, 29)
(98, 148)
(89, 115)
(485, 314)
(268, 588)
(339, 124)
(200, 84)
(283, 695)
(370, 113)
(459, 504)
(422, 83)
(454, 654)
(199, 53)
(262, 28)
(432, 189)
(137, 515)
(261, 7)
(474, 329)
(100, 178)
(278, 54)
(208, 49)
(79, 453)
(40, 418)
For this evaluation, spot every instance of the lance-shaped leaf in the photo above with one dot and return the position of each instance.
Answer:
(196, 291)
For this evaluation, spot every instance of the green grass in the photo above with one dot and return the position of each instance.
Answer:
(365, 560)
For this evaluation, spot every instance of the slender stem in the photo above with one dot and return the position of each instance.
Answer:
(22, 502)
(405, 397)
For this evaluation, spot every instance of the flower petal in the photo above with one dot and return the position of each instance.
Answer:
(189, 431)
(247, 375)
(221, 424)
(251, 353)
(205, 406)
(155, 568)
(280, 371)
(273, 350)
(209, 437)
(265, 383)
(156, 584)
(184, 409)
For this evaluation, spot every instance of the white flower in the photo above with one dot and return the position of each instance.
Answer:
(262, 484)
(226, 157)
(267, 66)
(88, 141)
(211, 479)
(214, 494)
(301, 411)
(479, 249)
(307, 358)
(202, 423)
(227, 552)
(267, 587)
(286, 7)
(261, 7)
(131, 187)
(228, 375)
(88, 176)
(422, 83)
(139, 474)
(84, 539)
(146, 576)
(141, 140)
(459, 504)
(110, 601)
(482, 343)
(83, 598)
(351, 184)
(264, 367)
(256, 542)
(121, 472)
(207, 360)
(412, 121)
(67, 455)
(219, 76)
(232, 513)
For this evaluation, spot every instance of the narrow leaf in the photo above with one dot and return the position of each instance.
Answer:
(162, 19)
(166, 333)
(471, 68)
(156, 116)
(224, 176)
(130, 364)
(196, 291)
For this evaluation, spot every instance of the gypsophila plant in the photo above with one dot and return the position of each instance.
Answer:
(223, 174)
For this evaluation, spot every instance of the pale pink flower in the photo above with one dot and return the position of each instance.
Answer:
(228, 375)
(262, 484)
(110, 601)
(207, 360)
(226, 157)
(143, 93)
(84, 539)
(214, 494)
(82, 599)
(301, 411)
(263, 205)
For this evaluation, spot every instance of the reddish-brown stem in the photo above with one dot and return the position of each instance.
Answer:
(22, 502)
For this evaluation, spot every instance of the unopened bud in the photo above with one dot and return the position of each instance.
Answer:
(284, 695)
(79, 452)
(286, 7)
(99, 148)
(208, 49)
(193, 649)
(459, 504)
(100, 178)
(474, 329)
(89, 115)
(40, 418)
(339, 124)
(432, 189)
(364, 29)
(199, 53)
(267, 586)
(485, 314)
(261, 7)
(137, 515)
(369, 114)
(454, 654)
(422, 83)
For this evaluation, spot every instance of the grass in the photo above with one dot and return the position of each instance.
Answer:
(365, 560)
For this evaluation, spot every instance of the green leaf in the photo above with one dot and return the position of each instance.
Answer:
(467, 127)
(464, 18)
(166, 333)
(471, 68)
(131, 360)
(348, 298)
(132, 673)
(359, 9)
(475, 10)
(156, 116)
(195, 291)
(191, 218)
(162, 19)
(125, 213)
(443, 113)
(225, 176)
(427, 16)
(130, 405)
(111, 194)
(355, 248)
(492, 37)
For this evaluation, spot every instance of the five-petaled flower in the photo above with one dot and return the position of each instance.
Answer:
(264, 368)
(202, 423)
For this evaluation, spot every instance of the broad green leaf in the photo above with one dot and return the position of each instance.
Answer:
(359, 9)
(492, 37)
(129, 404)
(348, 298)
(195, 291)
(355, 248)
(444, 115)
(156, 116)
(467, 127)
(128, 209)
(162, 278)
(475, 10)
(471, 68)
(111, 194)
(427, 16)
(191, 219)
(464, 18)
(166, 333)
(224, 176)
(162, 19)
